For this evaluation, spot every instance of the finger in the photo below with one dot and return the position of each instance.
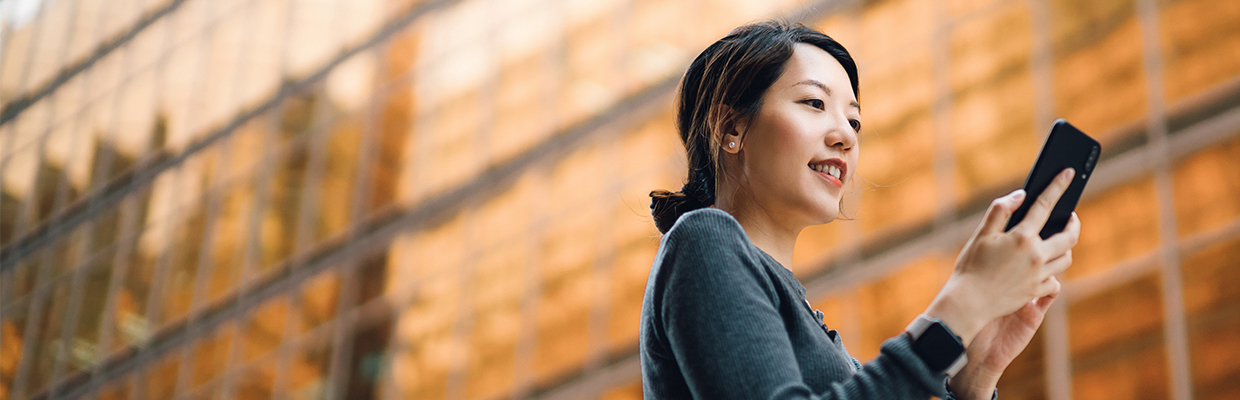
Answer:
(1000, 211)
(1061, 242)
(1058, 264)
(1041, 209)
(1047, 287)
(1044, 302)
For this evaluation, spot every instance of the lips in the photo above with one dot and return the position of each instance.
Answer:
(832, 169)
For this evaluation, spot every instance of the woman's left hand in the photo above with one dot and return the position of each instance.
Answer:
(996, 345)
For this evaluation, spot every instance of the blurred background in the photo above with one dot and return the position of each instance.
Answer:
(448, 198)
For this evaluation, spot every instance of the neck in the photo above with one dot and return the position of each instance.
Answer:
(765, 231)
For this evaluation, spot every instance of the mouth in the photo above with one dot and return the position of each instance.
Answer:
(833, 170)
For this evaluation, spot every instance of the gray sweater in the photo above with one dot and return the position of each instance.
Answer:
(721, 319)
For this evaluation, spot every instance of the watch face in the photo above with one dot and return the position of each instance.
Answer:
(938, 347)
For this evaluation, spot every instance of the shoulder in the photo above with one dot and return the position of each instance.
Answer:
(709, 243)
(709, 227)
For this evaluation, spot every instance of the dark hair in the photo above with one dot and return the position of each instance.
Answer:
(725, 84)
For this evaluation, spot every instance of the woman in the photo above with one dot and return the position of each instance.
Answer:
(770, 121)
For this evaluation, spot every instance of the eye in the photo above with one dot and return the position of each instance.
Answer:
(856, 125)
(818, 104)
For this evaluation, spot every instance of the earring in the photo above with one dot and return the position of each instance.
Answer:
(731, 145)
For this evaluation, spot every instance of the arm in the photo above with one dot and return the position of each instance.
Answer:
(728, 336)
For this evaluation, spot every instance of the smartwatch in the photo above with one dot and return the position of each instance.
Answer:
(937, 346)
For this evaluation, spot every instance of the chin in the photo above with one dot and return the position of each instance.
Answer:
(824, 212)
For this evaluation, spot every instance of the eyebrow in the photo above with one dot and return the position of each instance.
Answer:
(824, 88)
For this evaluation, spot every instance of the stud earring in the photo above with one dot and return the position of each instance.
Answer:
(731, 145)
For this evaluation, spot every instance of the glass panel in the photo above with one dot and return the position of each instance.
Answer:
(426, 326)
(1206, 196)
(567, 294)
(895, 178)
(1099, 81)
(255, 382)
(522, 116)
(1200, 45)
(1115, 226)
(209, 356)
(84, 352)
(393, 137)
(47, 336)
(499, 280)
(12, 329)
(264, 331)
(1212, 301)
(372, 277)
(161, 376)
(129, 321)
(886, 306)
(628, 286)
(891, 28)
(234, 210)
(319, 298)
(336, 189)
(591, 56)
(630, 391)
(992, 92)
(453, 142)
(1116, 343)
(308, 373)
(369, 355)
(575, 180)
(186, 244)
(116, 390)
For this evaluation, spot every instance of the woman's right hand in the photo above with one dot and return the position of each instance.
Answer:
(999, 272)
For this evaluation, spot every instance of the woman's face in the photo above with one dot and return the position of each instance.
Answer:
(800, 150)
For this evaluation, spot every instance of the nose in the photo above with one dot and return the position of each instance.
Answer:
(840, 134)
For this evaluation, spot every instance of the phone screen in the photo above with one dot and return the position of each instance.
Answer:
(1065, 147)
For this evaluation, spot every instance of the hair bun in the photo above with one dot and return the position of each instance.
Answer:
(667, 207)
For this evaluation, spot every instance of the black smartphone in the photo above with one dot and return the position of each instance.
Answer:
(1065, 147)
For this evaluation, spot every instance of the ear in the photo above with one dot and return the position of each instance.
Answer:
(733, 132)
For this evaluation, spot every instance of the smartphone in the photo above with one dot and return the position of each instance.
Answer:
(1065, 147)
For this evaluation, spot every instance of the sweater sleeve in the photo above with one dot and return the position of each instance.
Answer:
(722, 323)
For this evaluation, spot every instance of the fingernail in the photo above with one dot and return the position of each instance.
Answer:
(1019, 193)
(1067, 174)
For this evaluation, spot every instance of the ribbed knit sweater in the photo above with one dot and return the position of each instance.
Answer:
(721, 319)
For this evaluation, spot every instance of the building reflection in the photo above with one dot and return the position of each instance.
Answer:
(447, 198)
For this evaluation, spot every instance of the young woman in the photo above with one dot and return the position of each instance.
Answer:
(770, 121)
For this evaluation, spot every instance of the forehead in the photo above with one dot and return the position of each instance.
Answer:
(810, 62)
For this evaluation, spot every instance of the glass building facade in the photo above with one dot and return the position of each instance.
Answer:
(448, 198)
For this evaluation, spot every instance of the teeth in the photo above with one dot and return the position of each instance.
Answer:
(827, 169)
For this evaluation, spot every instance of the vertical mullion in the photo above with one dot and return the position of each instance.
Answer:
(944, 159)
(122, 261)
(103, 169)
(32, 48)
(318, 139)
(271, 150)
(1175, 327)
(1057, 357)
(33, 320)
(341, 346)
(527, 339)
(193, 330)
(45, 283)
(462, 327)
